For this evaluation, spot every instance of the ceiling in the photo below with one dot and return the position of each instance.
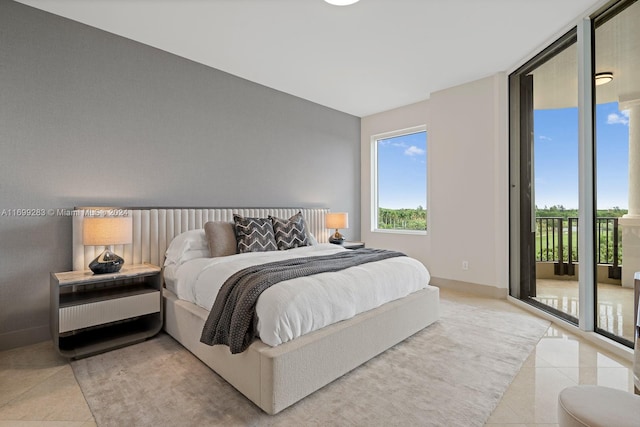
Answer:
(617, 50)
(373, 56)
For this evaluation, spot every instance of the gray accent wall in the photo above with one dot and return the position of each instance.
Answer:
(88, 118)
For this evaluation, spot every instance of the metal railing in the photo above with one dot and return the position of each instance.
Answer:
(557, 242)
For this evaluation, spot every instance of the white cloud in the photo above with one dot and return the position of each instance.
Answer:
(622, 118)
(414, 151)
(544, 138)
(385, 142)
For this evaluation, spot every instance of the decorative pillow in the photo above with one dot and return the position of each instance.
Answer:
(185, 246)
(221, 237)
(290, 233)
(254, 234)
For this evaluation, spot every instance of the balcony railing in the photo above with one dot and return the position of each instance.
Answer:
(557, 242)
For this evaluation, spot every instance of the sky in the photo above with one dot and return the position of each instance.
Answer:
(402, 171)
(402, 160)
(556, 157)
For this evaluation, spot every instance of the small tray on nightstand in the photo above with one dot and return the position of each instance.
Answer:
(351, 245)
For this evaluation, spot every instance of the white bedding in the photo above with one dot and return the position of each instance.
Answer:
(295, 307)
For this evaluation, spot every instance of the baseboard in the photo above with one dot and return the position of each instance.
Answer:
(472, 288)
(24, 337)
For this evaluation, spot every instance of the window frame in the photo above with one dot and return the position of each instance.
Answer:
(374, 179)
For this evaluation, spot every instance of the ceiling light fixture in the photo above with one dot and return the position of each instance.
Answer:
(341, 2)
(603, 78)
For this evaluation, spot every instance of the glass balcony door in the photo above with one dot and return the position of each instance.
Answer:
(617, 104)
(548, 99)
(575, 174)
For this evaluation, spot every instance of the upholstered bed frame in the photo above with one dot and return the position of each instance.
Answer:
(272, 377)
(154, 228)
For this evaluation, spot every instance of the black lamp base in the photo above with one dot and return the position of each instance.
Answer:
(336, 238)
(106, 262)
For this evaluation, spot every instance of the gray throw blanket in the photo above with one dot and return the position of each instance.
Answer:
(231, 320)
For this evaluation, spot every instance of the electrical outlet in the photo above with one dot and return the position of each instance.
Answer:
(465, 265)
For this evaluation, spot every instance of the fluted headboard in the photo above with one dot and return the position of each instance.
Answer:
(154, 228)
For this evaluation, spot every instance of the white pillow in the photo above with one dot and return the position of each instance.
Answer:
(312, 239)
(185, 246)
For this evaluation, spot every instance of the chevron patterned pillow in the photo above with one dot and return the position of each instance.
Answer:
(254, 234)
(290, 233)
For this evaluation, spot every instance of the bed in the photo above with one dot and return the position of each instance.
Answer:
(273, 377)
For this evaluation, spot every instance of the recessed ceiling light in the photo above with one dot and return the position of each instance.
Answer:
(603, 78)
(341, 2)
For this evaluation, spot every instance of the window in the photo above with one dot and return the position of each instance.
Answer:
(400, 181)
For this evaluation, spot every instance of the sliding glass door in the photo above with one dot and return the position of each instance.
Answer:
(548, 162)
(617, 104)
(575, 174)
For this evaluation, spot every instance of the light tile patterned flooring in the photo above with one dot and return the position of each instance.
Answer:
(37, 387)
(615, 304)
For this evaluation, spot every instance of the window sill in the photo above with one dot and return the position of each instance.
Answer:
(409, 232)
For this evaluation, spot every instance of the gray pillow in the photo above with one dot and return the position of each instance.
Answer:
(254, 234)
(221, 238)
(290, 233)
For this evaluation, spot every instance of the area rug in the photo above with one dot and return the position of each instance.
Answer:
(452, 373)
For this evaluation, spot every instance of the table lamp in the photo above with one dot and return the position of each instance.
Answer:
(107, 231)
(336, 221)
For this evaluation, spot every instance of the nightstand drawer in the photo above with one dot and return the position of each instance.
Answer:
(81, 316)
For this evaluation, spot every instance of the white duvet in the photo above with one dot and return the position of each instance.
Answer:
(295, 307)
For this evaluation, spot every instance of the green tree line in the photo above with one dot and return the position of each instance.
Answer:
(560, 211)
(402, 219)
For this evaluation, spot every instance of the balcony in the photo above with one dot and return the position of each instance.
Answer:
(614, 308)
(557, 272)
(557, 248)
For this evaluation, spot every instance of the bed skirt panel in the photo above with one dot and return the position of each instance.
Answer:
(277, 377)
(184, 322)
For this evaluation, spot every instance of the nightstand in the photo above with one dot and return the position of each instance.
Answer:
(351, 245)
(93, 313)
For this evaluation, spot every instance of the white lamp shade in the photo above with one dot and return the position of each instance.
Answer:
(337, 220)
(106, 231)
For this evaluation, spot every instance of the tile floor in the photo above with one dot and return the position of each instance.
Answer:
(614, 308)
(37, 387)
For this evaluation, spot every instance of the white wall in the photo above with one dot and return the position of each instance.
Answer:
(467, 200)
